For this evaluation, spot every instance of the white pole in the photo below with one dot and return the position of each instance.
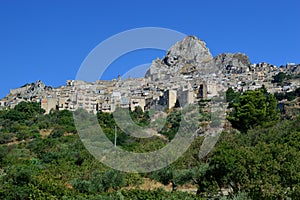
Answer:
(115, 136)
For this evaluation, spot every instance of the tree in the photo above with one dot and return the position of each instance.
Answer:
(112, 179)
(24, 111)
(253, 108)
(197, 175)
(165, 176)
(203, 180)
(278, 78)
(231, 96)
(264, 171)
(140, 117)
(57, 132)
(14, 185)
(263, 163)
(172, 124)
(3, 152)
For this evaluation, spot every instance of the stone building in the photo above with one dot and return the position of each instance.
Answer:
(137, 101)
(49, 104)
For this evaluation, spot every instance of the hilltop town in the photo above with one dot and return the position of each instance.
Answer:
(54, 144)
(187, 74)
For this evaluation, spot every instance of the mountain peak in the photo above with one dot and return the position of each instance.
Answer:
(191, 49)
(185, 56)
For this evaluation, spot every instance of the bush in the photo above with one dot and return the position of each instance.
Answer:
(133, 179)
(6, 138)
(3, 153)
(57, 132)
(19, 175)
(23, 135)
(113, 179)
(82, 186)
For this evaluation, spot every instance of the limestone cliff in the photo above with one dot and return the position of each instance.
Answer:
(237, 63)
(191, 56)
(30, 91)
(186, 56)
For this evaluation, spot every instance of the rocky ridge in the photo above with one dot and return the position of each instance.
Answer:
(31, 90)
(191, 56)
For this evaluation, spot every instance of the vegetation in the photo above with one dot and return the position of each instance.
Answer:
(253, 108)
(231, 97)
(279, 78)
(42, 157)
(288, 95)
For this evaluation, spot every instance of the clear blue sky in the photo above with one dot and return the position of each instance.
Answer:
(48, 40)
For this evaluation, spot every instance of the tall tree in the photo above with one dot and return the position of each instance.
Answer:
(253, 108)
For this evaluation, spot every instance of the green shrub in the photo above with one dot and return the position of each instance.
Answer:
(57, 132)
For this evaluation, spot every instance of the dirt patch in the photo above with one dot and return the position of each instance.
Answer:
(45, 132)
(153, 185)
(149, 184)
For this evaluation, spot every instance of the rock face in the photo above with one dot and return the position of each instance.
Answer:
(185, 57)
(237, 63)
(190, 50)
(30, 91)
(191, 56)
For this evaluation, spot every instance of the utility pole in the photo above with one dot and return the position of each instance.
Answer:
(115, 142)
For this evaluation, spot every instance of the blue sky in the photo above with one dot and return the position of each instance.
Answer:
(48, 40)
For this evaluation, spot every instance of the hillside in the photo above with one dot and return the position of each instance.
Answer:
(239, 122)
(41, 157)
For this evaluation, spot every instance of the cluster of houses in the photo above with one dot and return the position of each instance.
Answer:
(106, 96)
(261, 74)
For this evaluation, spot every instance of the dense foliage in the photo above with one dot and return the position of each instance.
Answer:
(42, 157)
(253, 108)
(288, 95)
(264, 163)
(279, 78)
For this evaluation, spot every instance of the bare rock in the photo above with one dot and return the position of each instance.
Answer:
(237, 63)
(185, 57)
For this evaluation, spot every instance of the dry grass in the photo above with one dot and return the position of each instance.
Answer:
(153, 185)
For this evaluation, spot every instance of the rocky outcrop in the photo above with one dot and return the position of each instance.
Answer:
(30, 91)
(190, 50)
(295, 69)
(191, 56)
(237, 63)
(185, 57)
